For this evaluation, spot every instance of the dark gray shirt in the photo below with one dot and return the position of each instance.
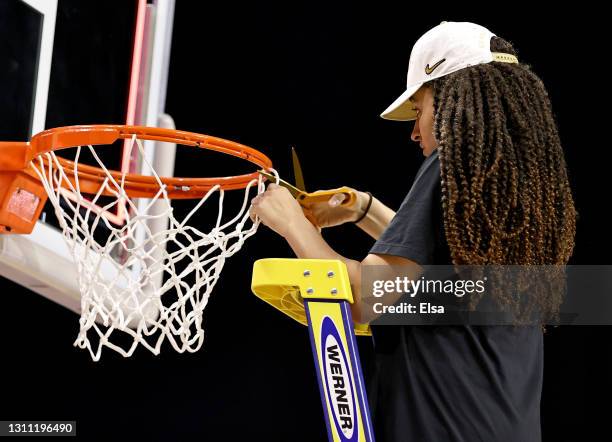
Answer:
(449, 383)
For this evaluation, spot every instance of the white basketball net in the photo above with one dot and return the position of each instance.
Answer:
(159, 288)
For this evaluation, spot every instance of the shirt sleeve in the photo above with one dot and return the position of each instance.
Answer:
(412, 233)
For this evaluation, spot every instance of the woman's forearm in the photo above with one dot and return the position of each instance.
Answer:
(377, 219)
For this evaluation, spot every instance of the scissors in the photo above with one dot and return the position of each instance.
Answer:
(305, 198)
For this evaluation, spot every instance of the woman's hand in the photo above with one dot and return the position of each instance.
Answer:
(277, 209)
(331, 213)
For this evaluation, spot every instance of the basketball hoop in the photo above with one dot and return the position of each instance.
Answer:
(118, 272)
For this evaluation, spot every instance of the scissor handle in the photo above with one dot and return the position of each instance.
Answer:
(322, 196)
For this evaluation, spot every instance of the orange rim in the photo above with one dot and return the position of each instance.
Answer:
(142, 186)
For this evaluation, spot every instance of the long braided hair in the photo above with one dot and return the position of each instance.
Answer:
(506, 196)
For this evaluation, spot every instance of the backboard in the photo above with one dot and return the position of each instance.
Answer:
(73, 62)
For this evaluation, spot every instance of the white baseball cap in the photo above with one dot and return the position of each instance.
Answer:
(445, 49)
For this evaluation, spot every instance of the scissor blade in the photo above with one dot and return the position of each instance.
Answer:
(295, 192)
(297, 171)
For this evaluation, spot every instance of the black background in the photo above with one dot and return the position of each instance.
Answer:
(315, 76)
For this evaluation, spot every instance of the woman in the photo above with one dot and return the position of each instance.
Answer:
(493, 189)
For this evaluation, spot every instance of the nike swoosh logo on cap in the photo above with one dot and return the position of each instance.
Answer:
(429, 70)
